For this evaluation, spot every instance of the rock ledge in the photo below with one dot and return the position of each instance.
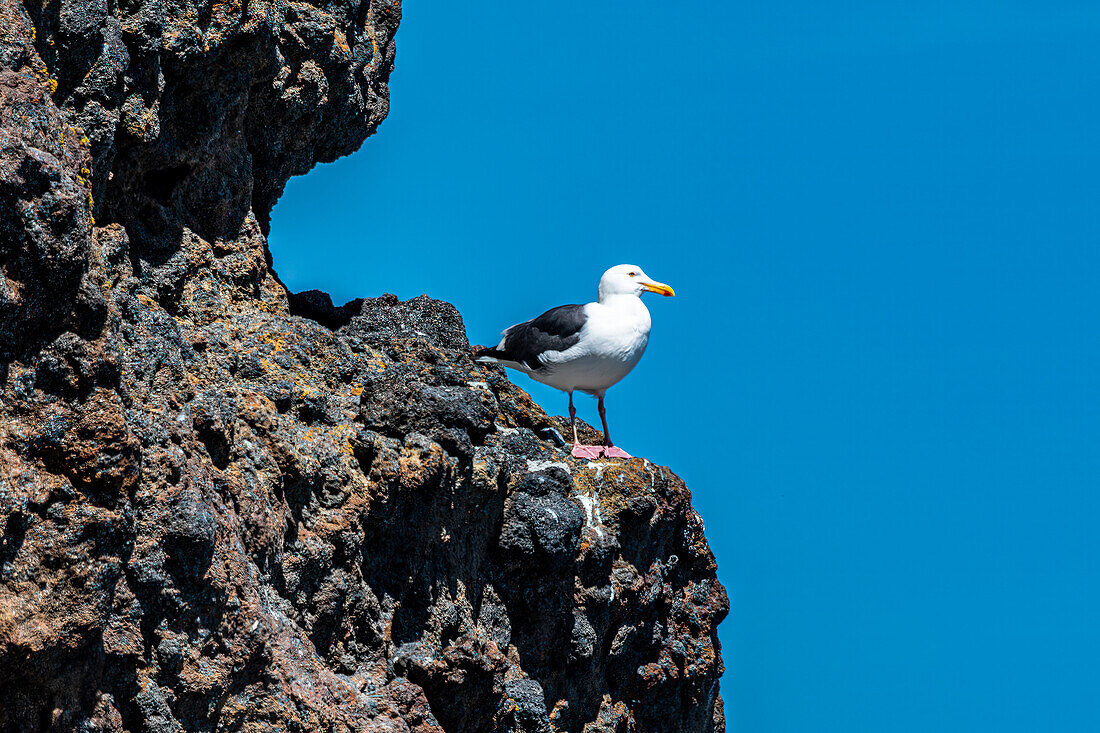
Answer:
(226, 507)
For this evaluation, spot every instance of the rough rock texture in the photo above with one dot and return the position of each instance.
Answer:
(223, 507)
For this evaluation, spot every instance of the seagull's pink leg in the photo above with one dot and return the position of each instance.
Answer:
(609, 449)
(580, 451)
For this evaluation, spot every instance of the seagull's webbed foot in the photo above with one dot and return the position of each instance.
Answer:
(612, 452)
(591, 452)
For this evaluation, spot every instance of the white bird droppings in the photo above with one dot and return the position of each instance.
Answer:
(592, 516)
(535, 466)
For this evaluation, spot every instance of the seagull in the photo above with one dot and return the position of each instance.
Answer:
(586, 347)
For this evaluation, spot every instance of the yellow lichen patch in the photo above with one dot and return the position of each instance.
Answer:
(276, 340)
(615, 483)
(343, 433)
(375, 362)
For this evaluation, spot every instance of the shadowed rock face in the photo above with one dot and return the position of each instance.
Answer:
(223, 507)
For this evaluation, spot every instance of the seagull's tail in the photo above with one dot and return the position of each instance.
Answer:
(490, 355)
(494, 355)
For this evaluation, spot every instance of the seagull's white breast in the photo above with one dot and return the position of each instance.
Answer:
(612, 341)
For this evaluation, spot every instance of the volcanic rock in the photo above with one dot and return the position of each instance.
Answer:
(228, 507)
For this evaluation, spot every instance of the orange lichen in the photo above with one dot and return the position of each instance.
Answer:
(341, 41)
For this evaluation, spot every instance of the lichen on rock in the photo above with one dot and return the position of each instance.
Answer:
(228, 507)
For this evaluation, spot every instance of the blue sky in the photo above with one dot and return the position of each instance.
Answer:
(880, 375)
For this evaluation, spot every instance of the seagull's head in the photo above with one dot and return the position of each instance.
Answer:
(630, 280)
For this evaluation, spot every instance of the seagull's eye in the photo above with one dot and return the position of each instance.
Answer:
(632, 274)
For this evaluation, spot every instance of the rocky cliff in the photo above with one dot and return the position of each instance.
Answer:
(226, 507)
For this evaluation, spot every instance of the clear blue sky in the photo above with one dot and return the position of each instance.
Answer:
(881, 375)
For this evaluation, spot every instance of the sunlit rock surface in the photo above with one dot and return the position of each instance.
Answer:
(223, 507)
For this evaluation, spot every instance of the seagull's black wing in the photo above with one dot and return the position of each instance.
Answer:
(555, 330)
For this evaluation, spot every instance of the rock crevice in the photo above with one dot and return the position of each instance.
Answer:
(227, 507)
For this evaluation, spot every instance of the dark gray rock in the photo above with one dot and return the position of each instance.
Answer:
(228, 507)
(540, 533)
(524, 708)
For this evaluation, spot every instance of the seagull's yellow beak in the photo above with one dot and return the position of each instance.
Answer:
(659, 288)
